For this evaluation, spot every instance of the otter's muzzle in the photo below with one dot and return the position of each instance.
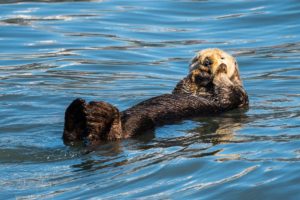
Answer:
(222, 68)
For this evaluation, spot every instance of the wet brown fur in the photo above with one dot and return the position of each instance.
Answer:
(212, 86)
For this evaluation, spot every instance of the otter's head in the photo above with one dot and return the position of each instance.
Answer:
(215, 65)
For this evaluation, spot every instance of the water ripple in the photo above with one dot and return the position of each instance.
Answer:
(124, 52)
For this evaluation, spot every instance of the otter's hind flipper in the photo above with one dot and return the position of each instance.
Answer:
(91, 122)
(75, 122)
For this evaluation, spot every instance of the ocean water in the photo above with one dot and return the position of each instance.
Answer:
(124, 52)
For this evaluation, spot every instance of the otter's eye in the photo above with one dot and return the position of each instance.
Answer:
(207, 62)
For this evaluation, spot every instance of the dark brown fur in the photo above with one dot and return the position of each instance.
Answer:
(99, 121)
(202, 92)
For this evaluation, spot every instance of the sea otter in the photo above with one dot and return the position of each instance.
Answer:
(212, 86)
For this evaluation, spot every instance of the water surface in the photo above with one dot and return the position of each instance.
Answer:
(124, 52)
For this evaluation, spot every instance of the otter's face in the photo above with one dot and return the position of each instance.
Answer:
(215, 64)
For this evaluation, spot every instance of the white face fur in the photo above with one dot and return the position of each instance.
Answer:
(212, 59)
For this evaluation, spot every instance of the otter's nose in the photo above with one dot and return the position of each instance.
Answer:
(222, 68)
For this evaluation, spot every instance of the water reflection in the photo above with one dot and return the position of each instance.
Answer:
(278, 51)
(212, 130)
(195, 143)
(29, 155)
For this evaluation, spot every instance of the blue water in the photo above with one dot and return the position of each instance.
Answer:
(124, 52)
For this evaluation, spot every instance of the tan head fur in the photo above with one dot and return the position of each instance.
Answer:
(220, 64)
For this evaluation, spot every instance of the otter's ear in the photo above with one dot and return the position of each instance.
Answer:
(115, 131)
